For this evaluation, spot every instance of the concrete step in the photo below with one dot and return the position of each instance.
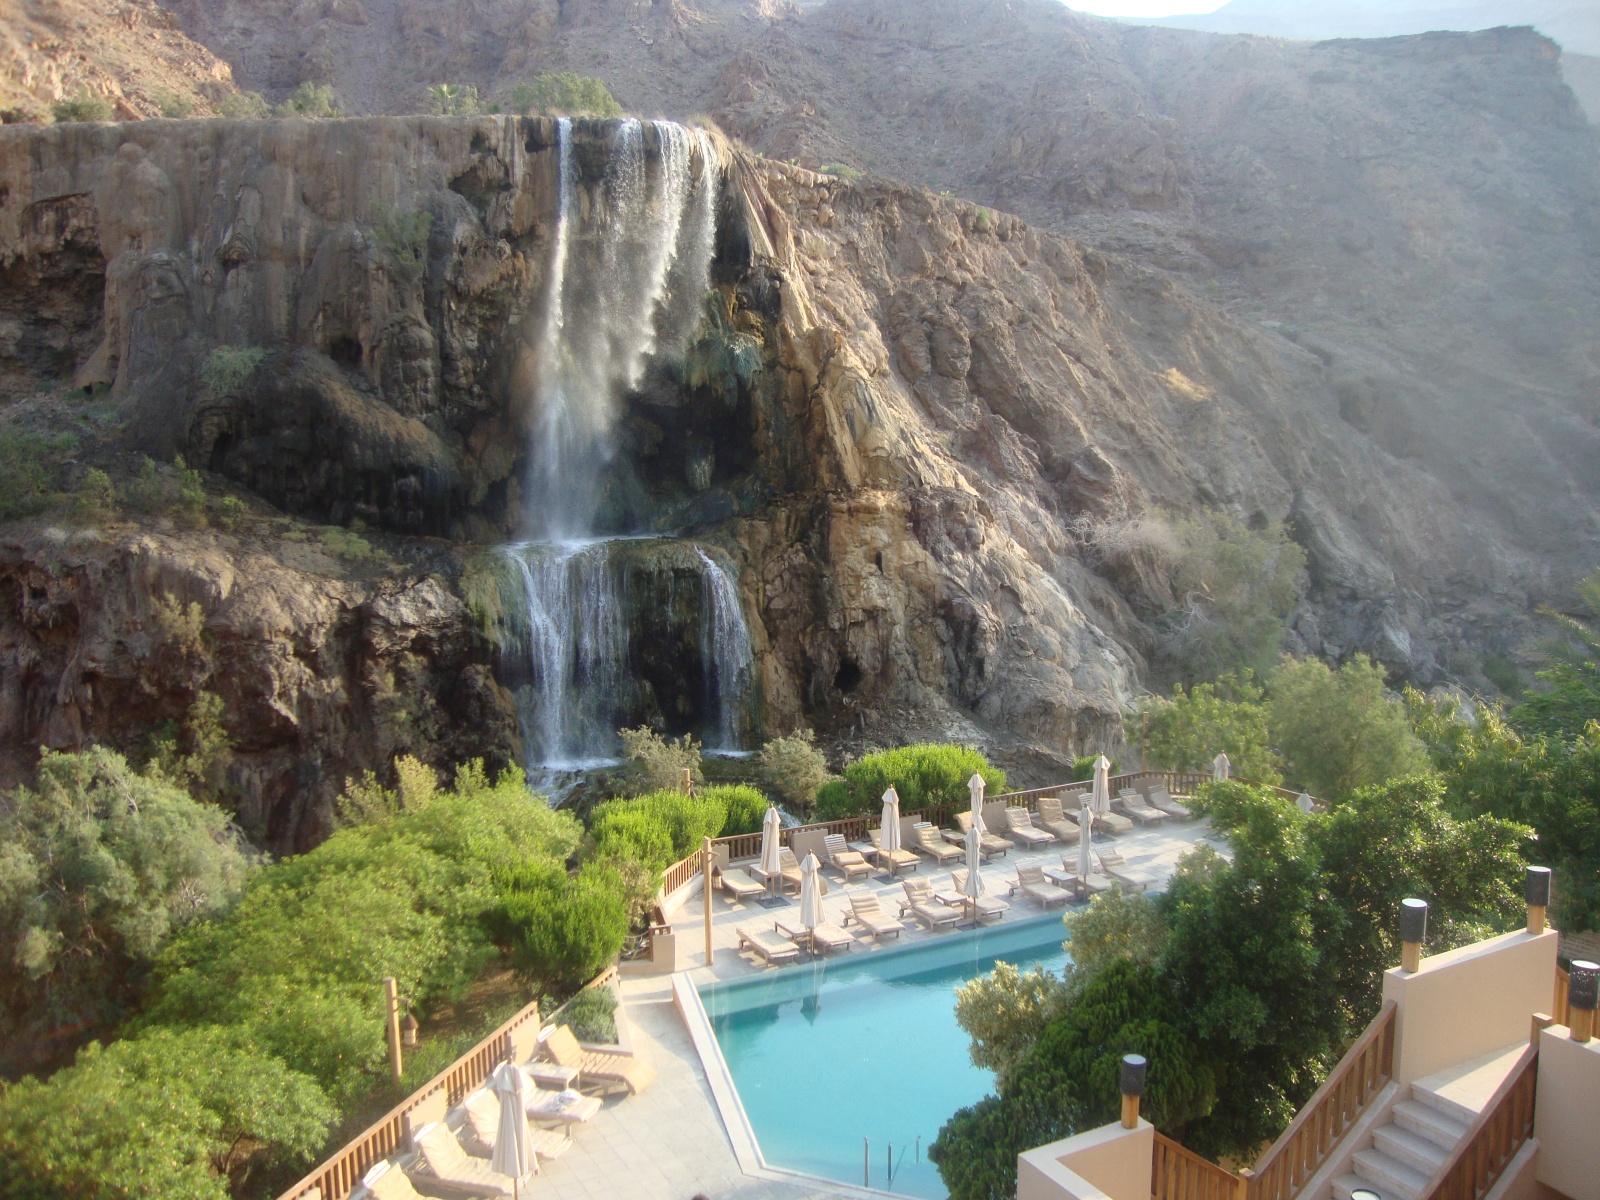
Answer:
(1424, 1120)
(1420, 1153)
(1393, 1178)
(1463, 1090)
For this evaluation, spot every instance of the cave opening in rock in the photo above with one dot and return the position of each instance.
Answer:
(848, 677)
(345, 351)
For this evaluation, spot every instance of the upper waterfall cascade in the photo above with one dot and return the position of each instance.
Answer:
(629, 272)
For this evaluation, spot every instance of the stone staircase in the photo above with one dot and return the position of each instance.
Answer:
(1423, 1130)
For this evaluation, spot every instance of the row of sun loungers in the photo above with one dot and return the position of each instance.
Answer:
(449, 1159)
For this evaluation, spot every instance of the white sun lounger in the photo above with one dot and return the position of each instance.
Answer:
(1116, 866)
(771, 947)
(1030, 881)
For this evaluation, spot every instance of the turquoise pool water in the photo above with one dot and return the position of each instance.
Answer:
(865, 1045)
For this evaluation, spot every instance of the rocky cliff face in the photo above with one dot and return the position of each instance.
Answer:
(899, 418)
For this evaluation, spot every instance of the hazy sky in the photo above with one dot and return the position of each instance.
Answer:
(1144, 8)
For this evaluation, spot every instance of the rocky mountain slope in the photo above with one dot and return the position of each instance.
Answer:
(946, 405)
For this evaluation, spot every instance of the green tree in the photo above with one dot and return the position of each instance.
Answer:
(1237, 586)
(561, 930)
(453, 100)
(1226, 716)
(657, 829)
(1339, 730)
(922, 775)
(1005, 1011)
(313, 101)
(1569, 695)
(793, 769)
(564, 93)
(82, 107)
(244, 106)
(662, 762)
(99, 867)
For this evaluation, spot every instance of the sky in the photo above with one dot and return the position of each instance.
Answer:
(1144, 8)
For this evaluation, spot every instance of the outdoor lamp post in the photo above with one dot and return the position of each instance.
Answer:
(1537, 890)
(391, 1009)
(1134, 1067)
(408, 1029)
(1413, 928)
(1583, 991)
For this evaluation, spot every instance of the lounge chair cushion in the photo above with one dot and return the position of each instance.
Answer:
(767, 944)
(480, 1125)
(440, 1157)
(386, 1181)
(597, 1065)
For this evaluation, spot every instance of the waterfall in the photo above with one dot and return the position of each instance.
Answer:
(630, 267)
(725, 643)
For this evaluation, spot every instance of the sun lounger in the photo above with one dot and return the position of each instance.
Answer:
(788, 870)
(868, 913)
(823, 938)
(565, 1108)
(1132, 803)
(930, 843)
(1117, 867)
(1161, 800)
(736, 881)
(480, 1125)
(386, 1181)
(990, 908)
(899, 860)
(921, 903)
(597, 1066)
(988, 845)
(769, 946)
(841, 858)
(1054, 819)
(1030, 881)
(1112, 824)
(1024, 830)
(445, 1169)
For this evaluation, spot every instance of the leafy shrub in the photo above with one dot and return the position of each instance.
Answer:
(244, 106)
(177, 491)
(923, 775)
(661, 762)
(1339, 730)
(201, 763)
(171, 1114)
(1083, 767)
(793, 769)
(347, 544)
(745, 807)
(453, 100)
(96, 498)
(231, 512)
(25, 463)
(174, 105)
(659, 828)
(313, 101)
(82, 107)
(561, 930)
(99, 866)
(403, 236)
(564, 93)
(592, 1015)
(228, 368)
(1188, 731)
(842, 170)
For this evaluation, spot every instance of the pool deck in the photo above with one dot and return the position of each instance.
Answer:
(669, 1142)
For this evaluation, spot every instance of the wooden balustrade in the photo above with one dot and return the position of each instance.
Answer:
(1493, 1140)
(1303, 1147)
(1177, 1173)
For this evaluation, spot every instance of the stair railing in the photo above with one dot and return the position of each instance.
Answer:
(1178, 1173)
(1492, 1141)
(1324, 1119)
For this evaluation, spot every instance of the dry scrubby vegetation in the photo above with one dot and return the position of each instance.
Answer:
(558, 93)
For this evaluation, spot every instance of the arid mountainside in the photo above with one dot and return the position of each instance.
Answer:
(905, 420)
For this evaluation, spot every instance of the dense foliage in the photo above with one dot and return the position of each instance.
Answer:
(661, 762)
(99, 866)
(923, 775)
(793, 769)
(1241, 984)
(1226, 716)
(563, 93)
(662, 827)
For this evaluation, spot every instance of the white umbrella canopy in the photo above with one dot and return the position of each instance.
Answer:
(1221, 768)
(811, 886)
(976, 786)
(1102, 784)
(513, 1151)
(891, 820)
(974, 884)
(771, 844)
(1305, 804)
(1085, 833)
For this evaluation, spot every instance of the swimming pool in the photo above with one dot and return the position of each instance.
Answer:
(864, 1045)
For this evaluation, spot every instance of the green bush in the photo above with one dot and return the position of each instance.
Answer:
(593, 1015)
(228, 368)
(174, 105)
(26, 460)
(563, 93)
(1339, 730)
(842, 170)
(661, 762)
(745, 807)
(658, 828)
(96, 498)
(244, 106)
(453, 100)
(1083, 767)
(793, 769)
(82, 107)
(561, 931)
(403, 236)
(313, 101)
(923, 775)
(1188, 731)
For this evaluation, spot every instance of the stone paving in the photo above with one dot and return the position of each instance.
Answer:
(669, 1143)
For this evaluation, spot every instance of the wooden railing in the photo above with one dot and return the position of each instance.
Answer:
(1180, 1174)
(336, 1177)
(1493, 1140)
(1303, 1147)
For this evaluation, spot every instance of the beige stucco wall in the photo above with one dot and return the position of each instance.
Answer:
(1566, 1120)
(1464, 1003)
(1109, 1163)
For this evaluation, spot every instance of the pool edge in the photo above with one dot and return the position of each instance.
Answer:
(725, 1094)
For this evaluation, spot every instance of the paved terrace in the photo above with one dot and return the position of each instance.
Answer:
(669, 1143)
